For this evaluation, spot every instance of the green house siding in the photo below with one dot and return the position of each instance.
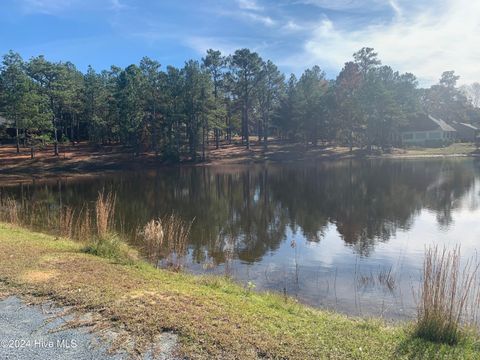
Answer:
(425, 137)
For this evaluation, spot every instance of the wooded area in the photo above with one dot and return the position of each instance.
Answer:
(177, 112)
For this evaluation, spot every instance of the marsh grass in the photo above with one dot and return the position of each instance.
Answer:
(9, 210)
(105, 242)
(83, 225)
(66, 222)
(166, 238)
(387, 279)
(449, 296)
(384, 278)
(105, 212)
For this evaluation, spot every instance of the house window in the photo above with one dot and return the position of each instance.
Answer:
(408, 136)
(420, 136)
(434, 135)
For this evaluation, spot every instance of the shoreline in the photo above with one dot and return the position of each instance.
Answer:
(83, 160)
(213, 317)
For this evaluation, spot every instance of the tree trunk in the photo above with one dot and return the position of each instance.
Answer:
(265, 134)
(247, 135)
(155, 134)
(72, 131)
(259, 130)
(17, 137)
(56, 142)
(203, 143)
(217, 139)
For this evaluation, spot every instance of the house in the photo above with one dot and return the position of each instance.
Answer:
(6, 130)
(466, 132)
(4, 122)
(426, 130)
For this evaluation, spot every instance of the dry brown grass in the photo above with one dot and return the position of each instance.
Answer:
(66, 222)
(167, 238)
(9, 211)
(449, 295)
(104, 212)
(152, 235)
(83, 225)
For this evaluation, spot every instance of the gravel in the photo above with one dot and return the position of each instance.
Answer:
(34, 333)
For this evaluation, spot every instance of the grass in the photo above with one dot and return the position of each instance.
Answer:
(110, 246)
(453, 149)
(214, 317)
(166, 238)
(449, 297)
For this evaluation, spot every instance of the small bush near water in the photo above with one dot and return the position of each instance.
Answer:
(449, 296)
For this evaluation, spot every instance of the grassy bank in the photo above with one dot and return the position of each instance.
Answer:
(455, 149)
(214, 317)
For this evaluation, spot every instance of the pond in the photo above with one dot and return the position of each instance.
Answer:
(345, 235)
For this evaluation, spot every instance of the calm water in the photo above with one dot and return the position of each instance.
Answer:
(324, 233)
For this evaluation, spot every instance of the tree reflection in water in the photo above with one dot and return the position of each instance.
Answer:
(247, 213)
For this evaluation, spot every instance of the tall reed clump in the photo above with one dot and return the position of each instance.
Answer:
(167, 238)
(104, 212)
(83, 225)
(9, 211)
(153, 235)
(106, 243)
(449, 296)
(66, 221)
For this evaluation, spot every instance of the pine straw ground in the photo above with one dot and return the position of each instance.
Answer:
(213, 317)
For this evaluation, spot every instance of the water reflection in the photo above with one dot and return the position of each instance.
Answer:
(349, 220)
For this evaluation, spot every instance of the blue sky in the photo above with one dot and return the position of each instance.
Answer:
(425, 37)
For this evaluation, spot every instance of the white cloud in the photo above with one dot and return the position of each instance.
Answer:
(265, 20)
(366, 5)
(202, 43)
(117, 5)
(432, 39)
(46, 6)
(57, 7)
(249, 5)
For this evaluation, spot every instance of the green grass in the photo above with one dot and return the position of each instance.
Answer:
(111, 247)
(214, 317)
(453, 149)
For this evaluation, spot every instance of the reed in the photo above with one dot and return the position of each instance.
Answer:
(83, 225)
(387, 279)
(9, 210)
(66, 221)
(166, 238)
(152, 235)
(104, 212)
(176, 235)
(449, 296)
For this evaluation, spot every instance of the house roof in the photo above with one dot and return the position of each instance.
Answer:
(469, 126)
(442, 124)
(3, 121)
(425, 122)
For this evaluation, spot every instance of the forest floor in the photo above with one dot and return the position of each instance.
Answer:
(84, 159)
(211, 317)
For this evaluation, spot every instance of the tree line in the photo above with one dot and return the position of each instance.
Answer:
(178, 112)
